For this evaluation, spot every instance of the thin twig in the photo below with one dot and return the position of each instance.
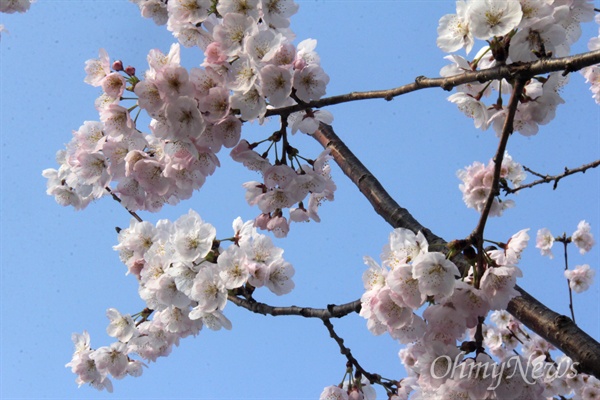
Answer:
(565, 241)
(549, 178)
(392, 386)
(115, 197)
(476, 237)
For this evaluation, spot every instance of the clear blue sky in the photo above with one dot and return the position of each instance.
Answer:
(59, 273)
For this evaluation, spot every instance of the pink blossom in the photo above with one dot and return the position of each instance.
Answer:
(544, 242)
(114, 84)
(276, 84)
(279, 275)
(150, 176)
(453, 30)
(214, 55)
(489, 18)
(583, 237)
(184, 118)
(511, 252)
(403, 284)
(117, 121)
(472, 108)
(121, 326)
(310, 83)
(172, 82)
(112, 360)
(231, 32)
(333, 393)
(436, 275)
(97, 69)
(194, 11)
(251, 104)
(498, 285)
(308, 121)
(208, 291)
(279, 225)
(580, 278)
(277, 13)
(148, 97)
(262, 45)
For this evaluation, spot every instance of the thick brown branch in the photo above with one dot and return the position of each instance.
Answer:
(370, 187)
(332, 311)
(557, 329)
(555, 178)
(509, 72)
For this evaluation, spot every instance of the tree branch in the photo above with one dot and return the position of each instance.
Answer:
(521, 70)
(390, 385)
(476, 237)
(117, 199)
(549, 178)
(555, 328)
(332, 311)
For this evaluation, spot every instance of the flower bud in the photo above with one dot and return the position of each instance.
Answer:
(117, 65)
(130, 70)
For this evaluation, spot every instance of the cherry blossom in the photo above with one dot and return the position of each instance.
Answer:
(453, 30)
(121, 326)
(489, 18)
(277, 13)
(477, 180)
(97, 69)
(497, 285)
(193, 238)
(333, 393)
(435, 275)
(582, 237)
(511, 253)
(544, 242)
(310, 82)
(308, 121)
(580, 278)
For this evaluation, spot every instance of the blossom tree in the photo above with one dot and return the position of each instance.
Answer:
(462, 323)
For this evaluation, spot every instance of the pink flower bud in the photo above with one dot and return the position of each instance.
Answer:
(299, 64)
(262, 220)
(117, 65)
(130, 70)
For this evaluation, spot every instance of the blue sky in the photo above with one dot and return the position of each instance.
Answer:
(59, 273)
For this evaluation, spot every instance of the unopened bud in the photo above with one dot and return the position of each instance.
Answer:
(299, 64)
(130, 70)
(117, 65)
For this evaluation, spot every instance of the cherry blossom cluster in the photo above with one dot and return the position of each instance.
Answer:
(149, 170)
(438, 342)
(184, 277)
(553, 377)
(581, 277)
(247, 43)
(516, 31)
(477, 183)
(592, 74)
(283, 187)
(250, 65)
